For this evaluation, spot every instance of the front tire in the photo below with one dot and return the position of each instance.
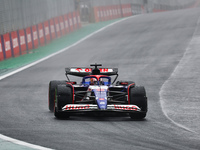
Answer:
(138, 97)
(63, 96)
(52, 87)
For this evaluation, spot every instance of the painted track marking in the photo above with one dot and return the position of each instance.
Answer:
(195, 37)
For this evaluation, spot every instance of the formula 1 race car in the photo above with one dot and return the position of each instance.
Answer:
(96, 93)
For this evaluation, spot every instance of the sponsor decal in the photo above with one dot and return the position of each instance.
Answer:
(78, 69)
(7, 45)
(46, 31)
(29, 38)
(102, 90)
(105, 70)
(126, 107)
(22, 40)
(57, 28)
(90, 70)
(82, 70)
(52, 29)
(15, 43)
(34, 35)
(112, 107)
(76, 107)
(41, 33)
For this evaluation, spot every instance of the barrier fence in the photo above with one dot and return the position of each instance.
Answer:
(124, 8)
(26, 24)
(104, 13)
(21, 41)
(154, 6)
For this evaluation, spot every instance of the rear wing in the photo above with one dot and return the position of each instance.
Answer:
(81, 72)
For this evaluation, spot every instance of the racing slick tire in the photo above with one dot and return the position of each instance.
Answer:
(63, 96)
(138, 97)
(52, 87)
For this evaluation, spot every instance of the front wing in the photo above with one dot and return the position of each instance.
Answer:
(91, 107)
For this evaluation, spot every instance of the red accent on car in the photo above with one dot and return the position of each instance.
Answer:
(97, 76)
(100, 90)
(88, 70)
(73, 82)
(79, 69)
(103, 69)
(126, 107)
(128, 89)
(71, 107)
(124, 83)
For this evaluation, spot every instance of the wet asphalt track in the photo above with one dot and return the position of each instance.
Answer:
(145, 48)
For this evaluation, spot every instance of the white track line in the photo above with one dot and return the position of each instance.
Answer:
(173, 73)
(41, 60)
(21, 143)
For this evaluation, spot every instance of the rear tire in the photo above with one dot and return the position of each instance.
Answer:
(63, 97)
(138, 97)
(52, 87)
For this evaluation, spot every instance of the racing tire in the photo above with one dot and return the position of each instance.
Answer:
(52, 87)
(63, 96)
(138, 97)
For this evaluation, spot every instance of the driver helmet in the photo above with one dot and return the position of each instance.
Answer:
(93, 81)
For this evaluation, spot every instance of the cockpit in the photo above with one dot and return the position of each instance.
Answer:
(96, 80)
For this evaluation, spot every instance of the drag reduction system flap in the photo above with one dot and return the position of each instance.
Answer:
(83, 71)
